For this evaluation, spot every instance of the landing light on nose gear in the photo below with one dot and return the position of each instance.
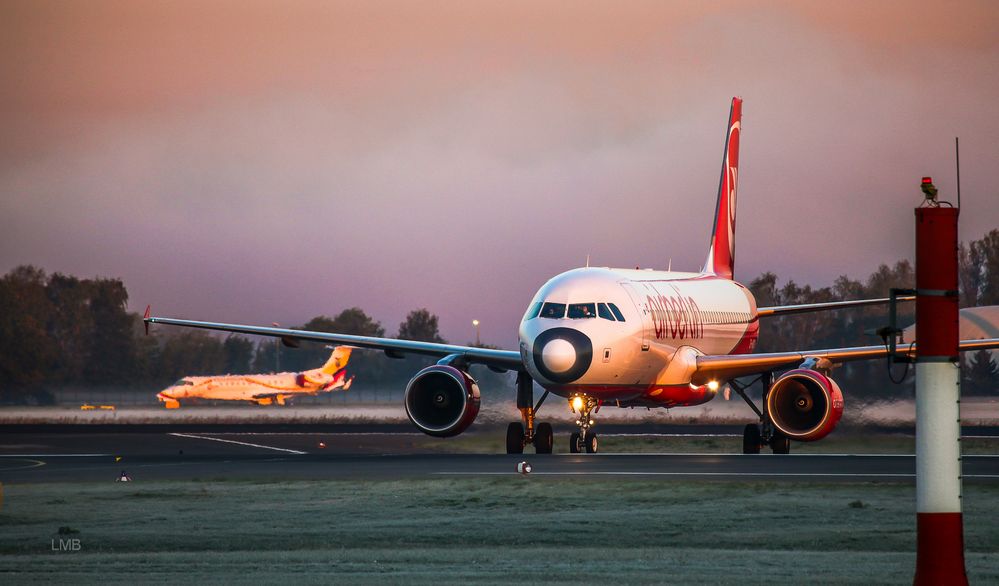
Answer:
(584, 439)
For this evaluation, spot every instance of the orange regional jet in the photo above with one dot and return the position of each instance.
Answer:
(262, 389)
(604, 337)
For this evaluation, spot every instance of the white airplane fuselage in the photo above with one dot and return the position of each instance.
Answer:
(670, 318)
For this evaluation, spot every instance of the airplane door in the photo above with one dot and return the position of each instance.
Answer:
(642, 305)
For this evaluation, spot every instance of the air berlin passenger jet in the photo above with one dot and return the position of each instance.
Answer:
(624, 338)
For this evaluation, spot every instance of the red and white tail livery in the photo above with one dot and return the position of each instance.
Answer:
(721, 252)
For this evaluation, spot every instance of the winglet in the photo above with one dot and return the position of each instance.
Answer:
(145, 319)
(721, 254)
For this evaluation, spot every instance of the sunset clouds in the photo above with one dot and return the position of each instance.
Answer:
(262, 161)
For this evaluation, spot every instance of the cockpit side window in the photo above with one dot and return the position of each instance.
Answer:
(553, 310)
(616, 311)
(604, 312)
(582, 310)
(533, 311)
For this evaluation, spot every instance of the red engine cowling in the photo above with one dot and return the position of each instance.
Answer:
(442, 401)
(805, 405)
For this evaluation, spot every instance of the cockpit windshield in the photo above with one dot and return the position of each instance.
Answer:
(607, 311)
(582, 310)
(182, 383)
(553, 310)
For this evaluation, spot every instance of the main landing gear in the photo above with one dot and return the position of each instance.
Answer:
(756, 436)
(584, 439)
(521, 433)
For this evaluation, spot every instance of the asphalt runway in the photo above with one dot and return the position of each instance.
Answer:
(193, 456)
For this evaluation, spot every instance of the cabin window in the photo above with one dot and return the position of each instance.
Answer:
(533, 311)
(604, 312)
(582, 310)
(617, 312)
(553, 310)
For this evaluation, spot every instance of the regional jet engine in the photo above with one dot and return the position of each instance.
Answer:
(805, 405)
(442, 400)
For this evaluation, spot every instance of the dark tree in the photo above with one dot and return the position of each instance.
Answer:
(988, 255)
(71, 325)
(981, 376)
(191, 353)
(238, 353)
(28, 354)
(112, 356)
(420, 325)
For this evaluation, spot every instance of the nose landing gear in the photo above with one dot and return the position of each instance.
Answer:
(584, 439)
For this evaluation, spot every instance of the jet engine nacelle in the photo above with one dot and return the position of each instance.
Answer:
(442, 401)
(805, 405)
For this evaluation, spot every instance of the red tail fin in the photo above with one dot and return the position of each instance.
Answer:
(721, 255)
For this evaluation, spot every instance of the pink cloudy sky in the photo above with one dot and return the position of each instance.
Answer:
(270, 161)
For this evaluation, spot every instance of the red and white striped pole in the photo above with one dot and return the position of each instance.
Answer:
(939, 524)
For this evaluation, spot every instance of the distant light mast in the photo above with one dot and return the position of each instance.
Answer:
(939, 521)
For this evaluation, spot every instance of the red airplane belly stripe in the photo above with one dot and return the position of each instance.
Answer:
(665, 395)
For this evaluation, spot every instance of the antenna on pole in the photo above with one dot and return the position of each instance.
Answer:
(957, 160)
(587, 261)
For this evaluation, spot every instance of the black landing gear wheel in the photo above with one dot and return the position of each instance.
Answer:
(751, 439)
(579, 444)
(780, 444)
(544, 438)
(515, 438)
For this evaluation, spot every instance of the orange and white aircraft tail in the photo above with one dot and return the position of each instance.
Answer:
(338, 359)
(721, 253)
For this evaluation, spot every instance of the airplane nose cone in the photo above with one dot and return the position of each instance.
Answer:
(562, 355)
(558, 355)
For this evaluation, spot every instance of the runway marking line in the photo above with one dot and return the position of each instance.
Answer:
(225, 441)
(33, 464)
(54, 455)
(794, 474)
(799, 455)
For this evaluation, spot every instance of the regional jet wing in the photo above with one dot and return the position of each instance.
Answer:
(829, 305)
(500, 359)
(720, 368)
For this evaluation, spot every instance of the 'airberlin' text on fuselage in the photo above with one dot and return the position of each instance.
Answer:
(676, 317)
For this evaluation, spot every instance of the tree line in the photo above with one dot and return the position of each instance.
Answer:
(978, 266)
(59, 330)
(64, 331)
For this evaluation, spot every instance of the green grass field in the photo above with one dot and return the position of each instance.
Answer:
(490, 530)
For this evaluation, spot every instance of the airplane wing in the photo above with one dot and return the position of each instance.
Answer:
(731, 366)
(829, 305)
(500, 359)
